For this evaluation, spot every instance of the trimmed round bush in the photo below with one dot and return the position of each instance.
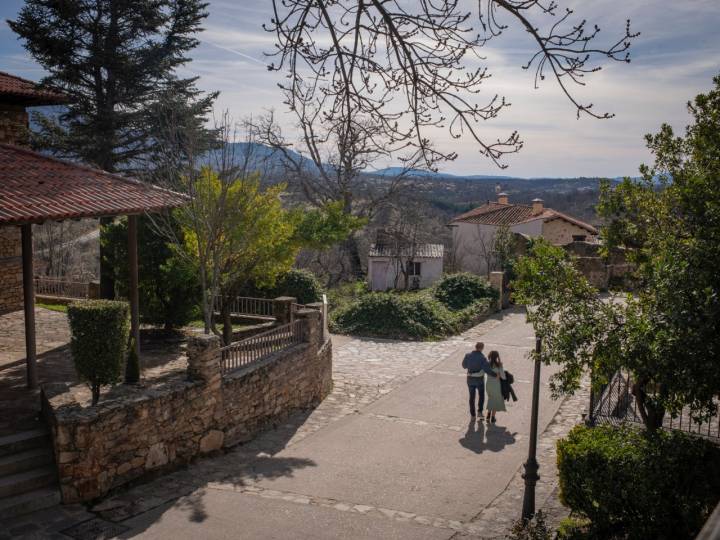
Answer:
(395, 316)
(458, 291)
(637, 485)
(301, 284)
(100, 330)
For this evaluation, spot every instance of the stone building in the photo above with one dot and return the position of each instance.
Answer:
(16, 95)
(474, 232)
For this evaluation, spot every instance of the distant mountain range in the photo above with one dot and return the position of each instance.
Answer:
(419, 173)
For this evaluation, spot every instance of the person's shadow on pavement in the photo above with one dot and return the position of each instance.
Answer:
(498, 437)
(477, 439)
(474, 438)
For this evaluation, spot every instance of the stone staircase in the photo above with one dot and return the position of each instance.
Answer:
(28, 477)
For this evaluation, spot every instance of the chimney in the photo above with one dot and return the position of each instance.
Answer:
(537, 207)
(503, 198)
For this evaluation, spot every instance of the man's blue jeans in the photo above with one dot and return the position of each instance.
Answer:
(476, 384)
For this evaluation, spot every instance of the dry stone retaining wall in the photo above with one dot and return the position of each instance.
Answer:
(138, 431)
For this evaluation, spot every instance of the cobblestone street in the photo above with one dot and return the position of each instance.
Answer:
(389, 454)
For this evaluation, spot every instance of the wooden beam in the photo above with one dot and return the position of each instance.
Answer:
(29, 305)
(134, 295)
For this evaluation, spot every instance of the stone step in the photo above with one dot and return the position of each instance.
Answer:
(16, 484)
(24, 440)
(25, 460)
(32, 501)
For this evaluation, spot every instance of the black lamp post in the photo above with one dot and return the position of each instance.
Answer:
(531, 465)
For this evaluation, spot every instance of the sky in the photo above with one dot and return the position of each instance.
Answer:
(675, 58)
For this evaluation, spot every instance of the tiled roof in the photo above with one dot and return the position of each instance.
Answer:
(493, 213)
(35, 188)
(22, 91)
(426, 251)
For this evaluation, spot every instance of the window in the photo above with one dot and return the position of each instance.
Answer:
(579, 237)
(414, 268)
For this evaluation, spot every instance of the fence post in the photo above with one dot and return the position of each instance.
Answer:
(203, 355)
(311, 329)
(94, 289)
(282, 309)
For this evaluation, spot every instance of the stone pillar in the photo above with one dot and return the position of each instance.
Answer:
(319, 306)
(497, 281)
(312, 326)
(203, 354)
(283, 309)
(94, 289)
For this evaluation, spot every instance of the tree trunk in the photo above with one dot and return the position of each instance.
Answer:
(353, 252)
(227, 324)
(652, 415)
(95, 389)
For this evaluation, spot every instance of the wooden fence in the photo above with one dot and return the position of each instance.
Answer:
(47, 286)
(258, 347)
(245, 305)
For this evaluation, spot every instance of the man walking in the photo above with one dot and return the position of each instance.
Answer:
(477, 366)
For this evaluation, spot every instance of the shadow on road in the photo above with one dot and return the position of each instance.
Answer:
(479, 437)
(145, 504)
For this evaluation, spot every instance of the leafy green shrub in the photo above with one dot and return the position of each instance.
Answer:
(637, 485)
(301, 284)
(345, 294)
(573, 528)
(100, 330)
(395, 316)
(458, 291)
(532, 529)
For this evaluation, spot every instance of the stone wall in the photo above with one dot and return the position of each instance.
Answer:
(601, 272)
(135, 432)
(11, 286)
(13, 124)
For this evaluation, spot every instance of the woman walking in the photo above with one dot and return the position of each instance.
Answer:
(494, 391)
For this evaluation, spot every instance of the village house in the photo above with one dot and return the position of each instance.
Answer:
(391, 262)
(474, 233)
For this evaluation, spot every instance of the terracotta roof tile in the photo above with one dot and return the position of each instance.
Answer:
(493, 213)
(35, 188)
(26, 92)
(428, 251)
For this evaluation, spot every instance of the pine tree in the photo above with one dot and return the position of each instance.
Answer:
(117, 62)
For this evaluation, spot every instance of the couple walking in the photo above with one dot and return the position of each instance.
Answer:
(477, 367)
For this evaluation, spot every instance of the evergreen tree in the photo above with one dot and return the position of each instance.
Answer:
(117, 62)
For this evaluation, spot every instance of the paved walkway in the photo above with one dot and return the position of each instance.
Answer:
(391, 453)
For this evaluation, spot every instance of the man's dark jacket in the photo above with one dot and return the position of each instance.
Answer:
(475, 362)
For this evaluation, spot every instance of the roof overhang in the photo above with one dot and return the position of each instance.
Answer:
(35, 188)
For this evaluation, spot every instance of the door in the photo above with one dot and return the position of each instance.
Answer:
(379, 275)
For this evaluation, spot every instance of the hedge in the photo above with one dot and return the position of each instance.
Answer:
(458, 291)
(635, 485)
(403, 316)
(99, 337)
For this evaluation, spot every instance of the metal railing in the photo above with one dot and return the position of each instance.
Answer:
(615, 404)
(258, 347)
(245, 305)
(47, 286)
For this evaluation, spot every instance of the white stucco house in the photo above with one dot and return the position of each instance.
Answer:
(423, 261)
(474, 232)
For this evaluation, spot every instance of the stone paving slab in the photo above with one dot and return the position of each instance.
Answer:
(288, 517)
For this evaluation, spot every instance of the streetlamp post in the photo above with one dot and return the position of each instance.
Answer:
(531, 465)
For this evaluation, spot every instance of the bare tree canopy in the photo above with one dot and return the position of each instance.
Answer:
(405, 68)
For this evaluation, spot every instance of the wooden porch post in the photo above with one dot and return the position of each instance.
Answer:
(29, 304)
(133, 293)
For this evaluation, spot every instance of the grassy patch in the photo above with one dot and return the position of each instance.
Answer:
(62, 308)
